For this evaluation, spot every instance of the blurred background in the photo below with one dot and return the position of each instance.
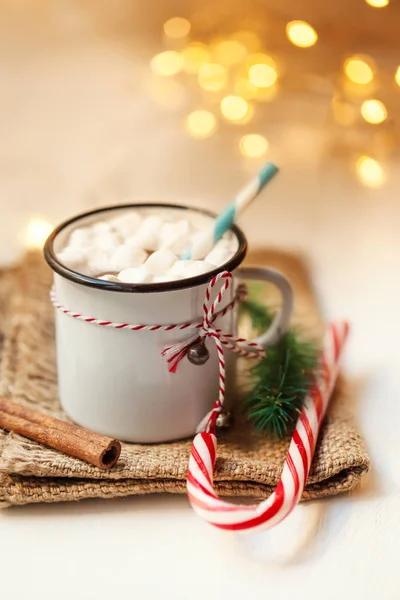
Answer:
(105, 102)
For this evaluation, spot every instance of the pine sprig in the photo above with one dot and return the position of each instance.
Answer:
(259, 316)
(280, 380)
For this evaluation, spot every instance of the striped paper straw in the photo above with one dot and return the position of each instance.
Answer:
(205, 241)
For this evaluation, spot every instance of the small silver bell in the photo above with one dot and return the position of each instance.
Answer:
(224, 420)
(198, 354)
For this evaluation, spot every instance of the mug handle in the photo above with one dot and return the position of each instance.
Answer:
(281, 320)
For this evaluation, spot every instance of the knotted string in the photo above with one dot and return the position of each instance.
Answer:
(176, 352)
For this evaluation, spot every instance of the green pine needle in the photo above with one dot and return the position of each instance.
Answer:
(280, 380)
(259, 316)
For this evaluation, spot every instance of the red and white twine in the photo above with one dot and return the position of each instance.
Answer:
(202, 495)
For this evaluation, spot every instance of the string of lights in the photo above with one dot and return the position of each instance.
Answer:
(232, 75)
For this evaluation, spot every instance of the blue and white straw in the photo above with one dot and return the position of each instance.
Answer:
(204, 241)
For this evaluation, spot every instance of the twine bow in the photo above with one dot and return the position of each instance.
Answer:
(175, 353)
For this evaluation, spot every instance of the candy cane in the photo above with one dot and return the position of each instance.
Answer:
(273, 510)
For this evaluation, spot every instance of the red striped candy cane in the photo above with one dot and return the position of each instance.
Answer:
(273, 510)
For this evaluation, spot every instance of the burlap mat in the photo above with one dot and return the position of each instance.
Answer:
(248, 464)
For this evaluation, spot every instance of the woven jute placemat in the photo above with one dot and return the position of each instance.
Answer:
(248, 464)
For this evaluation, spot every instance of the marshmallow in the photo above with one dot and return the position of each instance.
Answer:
(98, 261)
(101, 228)
(123, 244)
(175, 236)
(126, 256)
(165, 278)
(159, 262)
(71, 256)
(80, 238)
(197, 267)
(220, 254)
(134, 241)
(178, 268)
(108, 241)
(148, 232)
(190, 268)
(126, 224)
(135, 275)
(108, 277)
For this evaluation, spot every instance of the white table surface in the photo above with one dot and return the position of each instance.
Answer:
(79, 130)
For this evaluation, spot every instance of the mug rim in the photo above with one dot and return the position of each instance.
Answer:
(164, 286)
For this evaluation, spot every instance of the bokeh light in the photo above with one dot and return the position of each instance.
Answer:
(177, 27)
(377, 3)
(37, 233)
(212, 77)
(260, 58)
(370, 172)
(373, 111)
(195, 55)
(167, 63)
(247, 117)
(201, 124)
(262, 75)
(397, 76)
(358, 70)
(234, 108)
(301, 34)
(229, 52)
(253, 145)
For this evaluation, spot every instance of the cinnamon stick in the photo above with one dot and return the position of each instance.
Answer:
(94, 448)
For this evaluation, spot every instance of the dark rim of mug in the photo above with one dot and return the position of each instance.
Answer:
(166, 286)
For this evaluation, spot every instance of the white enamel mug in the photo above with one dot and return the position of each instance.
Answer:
(115, 381)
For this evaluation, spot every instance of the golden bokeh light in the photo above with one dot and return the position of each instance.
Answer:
(201, 124)
(358, 70)
(195, 55)
(37, 232)
(229, 52)
(177, 27)
(247, 117)
(301, 34)
(262, 75)
(344, 113)
(249, 39)
(260, 58)
(253, 145)
(397, 76)
(167, 63)
(377, 3)
(212, 77)
(373, 111)
(370, 172)
(234, 108)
